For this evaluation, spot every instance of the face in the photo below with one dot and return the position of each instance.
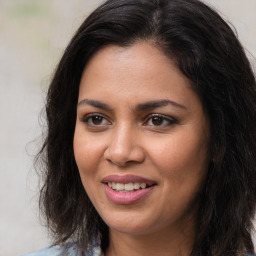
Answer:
(141, 140)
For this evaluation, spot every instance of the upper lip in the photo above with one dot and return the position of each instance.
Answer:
(127, 179)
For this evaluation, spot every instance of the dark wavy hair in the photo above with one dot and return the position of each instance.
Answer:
(209, 54)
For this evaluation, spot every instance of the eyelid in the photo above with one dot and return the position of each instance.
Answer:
(86, 117)
(167, 118)
(170, 120)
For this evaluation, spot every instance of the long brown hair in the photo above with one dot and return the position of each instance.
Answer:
(208, 53)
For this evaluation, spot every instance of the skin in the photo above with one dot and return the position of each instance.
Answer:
(171, 149)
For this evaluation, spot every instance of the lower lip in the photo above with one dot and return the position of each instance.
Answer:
(126, 197)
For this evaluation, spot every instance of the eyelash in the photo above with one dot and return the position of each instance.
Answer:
(163, 118)
(88, 119)
(169, 120)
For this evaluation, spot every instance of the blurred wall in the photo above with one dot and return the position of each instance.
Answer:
(33, 35)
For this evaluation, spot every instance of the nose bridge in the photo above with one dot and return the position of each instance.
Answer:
(124, 146)
(122, 137)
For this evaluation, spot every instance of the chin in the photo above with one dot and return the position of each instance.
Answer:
(131, 223)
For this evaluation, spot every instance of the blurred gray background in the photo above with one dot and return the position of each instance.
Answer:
(33, 35)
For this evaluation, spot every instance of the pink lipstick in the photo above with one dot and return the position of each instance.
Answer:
(127, 189)
(127, 179)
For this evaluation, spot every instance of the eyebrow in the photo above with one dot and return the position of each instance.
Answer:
(94, 103)
(158, 104)
(139, 107)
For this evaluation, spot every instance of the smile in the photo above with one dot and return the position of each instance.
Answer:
(127, 187)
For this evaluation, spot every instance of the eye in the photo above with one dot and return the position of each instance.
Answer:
(96, 120)
(159, 120)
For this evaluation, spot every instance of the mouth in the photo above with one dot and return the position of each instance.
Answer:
(127, 189)
(127, 183)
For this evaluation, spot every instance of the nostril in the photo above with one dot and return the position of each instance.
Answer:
(123, 149)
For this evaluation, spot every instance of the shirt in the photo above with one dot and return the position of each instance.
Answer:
(57, 251)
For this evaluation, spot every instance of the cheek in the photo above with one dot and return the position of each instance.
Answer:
(181, 157)
(182, 165)
(87, 152)
(87, 156)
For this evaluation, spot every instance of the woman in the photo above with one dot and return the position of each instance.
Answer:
(151, 140)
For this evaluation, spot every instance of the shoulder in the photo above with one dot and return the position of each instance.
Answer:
(59, 251)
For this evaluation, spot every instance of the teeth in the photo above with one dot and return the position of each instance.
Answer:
(113, 185)
(143, 185)
(121, 187)
(128, 186)
(136, 185)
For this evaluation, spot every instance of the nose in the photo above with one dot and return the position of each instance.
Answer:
(124, 147)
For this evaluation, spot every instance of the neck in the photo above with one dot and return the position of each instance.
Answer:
(164, 243)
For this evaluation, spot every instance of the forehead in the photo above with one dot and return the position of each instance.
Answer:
(140, 68)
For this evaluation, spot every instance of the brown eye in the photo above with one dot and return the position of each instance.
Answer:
(94, 120)
(157, 120)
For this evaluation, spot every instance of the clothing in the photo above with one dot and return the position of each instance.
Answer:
(58, 251)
